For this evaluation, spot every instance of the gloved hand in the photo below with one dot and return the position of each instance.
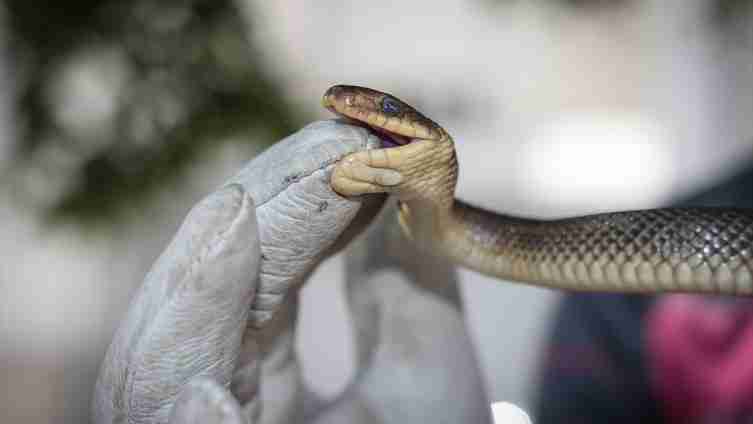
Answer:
(209, 320)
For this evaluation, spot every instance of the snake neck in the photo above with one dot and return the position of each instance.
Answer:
(427, 199)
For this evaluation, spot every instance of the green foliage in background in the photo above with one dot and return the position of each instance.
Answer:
(187, 77)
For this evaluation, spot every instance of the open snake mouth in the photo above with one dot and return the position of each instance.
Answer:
(389, 139)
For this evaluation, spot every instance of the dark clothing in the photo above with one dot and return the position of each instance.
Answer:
(666, 359)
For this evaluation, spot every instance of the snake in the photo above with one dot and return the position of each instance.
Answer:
(692, 250)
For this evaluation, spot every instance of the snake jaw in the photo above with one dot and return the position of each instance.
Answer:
(390, 139)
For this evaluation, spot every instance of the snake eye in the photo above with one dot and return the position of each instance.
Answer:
(390, 106)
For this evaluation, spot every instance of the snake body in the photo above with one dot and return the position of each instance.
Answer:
(706, 250)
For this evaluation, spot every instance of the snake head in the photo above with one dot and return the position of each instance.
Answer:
(396, 122)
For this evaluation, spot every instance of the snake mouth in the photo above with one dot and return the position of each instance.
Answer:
(388, 138)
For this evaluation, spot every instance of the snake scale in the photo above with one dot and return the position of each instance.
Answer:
(707, 250)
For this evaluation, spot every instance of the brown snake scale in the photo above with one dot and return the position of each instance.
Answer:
(695, 250)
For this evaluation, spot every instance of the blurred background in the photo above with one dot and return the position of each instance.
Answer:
(115, 117)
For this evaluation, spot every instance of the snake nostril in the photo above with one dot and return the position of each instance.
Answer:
(326, 101)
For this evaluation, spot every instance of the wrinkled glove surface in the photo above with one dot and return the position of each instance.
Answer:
(192, 327)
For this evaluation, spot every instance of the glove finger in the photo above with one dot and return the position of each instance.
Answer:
(190, 314)
(299, 214)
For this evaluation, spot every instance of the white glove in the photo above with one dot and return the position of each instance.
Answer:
(232, 262)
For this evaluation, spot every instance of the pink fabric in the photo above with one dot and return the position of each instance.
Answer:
(700, 357)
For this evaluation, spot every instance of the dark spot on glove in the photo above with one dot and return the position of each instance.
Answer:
(291, 179)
